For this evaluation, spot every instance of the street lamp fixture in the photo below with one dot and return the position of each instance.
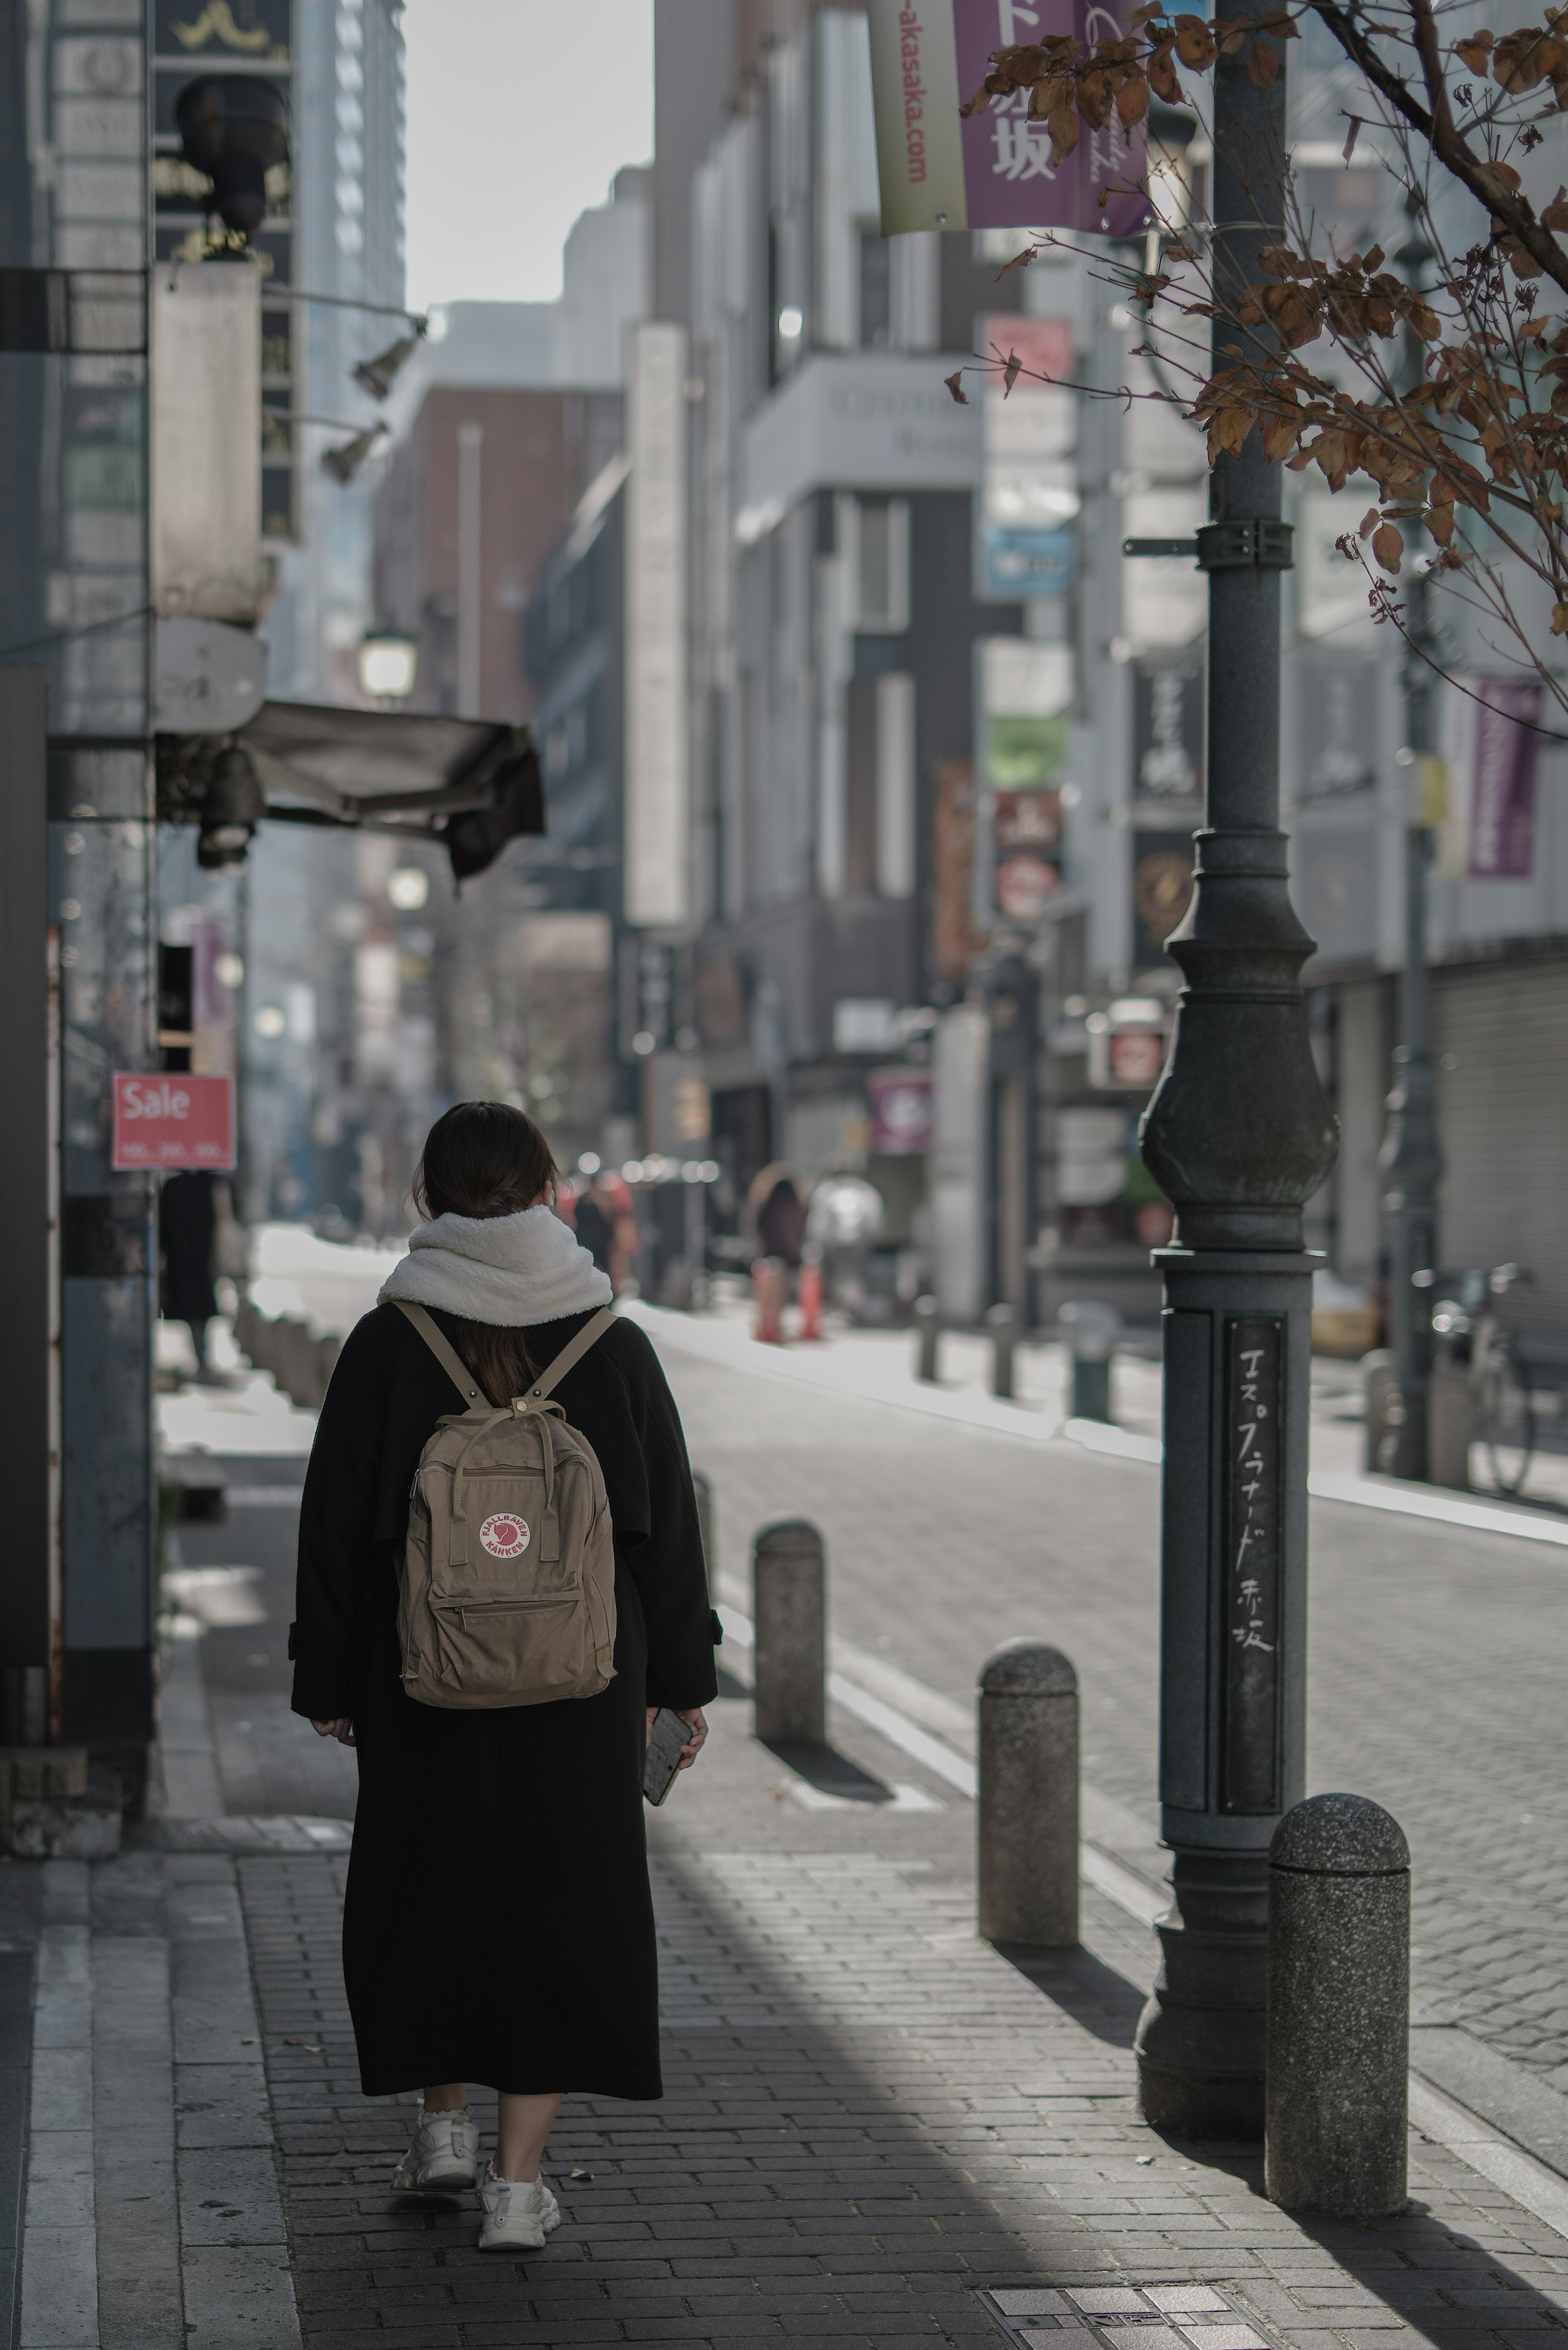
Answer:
(378, 376)
(345, 462)
(234, 128)
(388, 664)
(231, 810)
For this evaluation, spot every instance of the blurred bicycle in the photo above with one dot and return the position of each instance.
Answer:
(1469, 1329)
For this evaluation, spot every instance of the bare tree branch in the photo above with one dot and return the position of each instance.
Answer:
(1511, 208)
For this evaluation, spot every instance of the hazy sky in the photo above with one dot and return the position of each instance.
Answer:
(520, 114)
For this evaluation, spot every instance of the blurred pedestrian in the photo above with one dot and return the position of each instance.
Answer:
(187, 1228)
(498, 1925)
(845, 1216)
(780, 1223)
(595, 1222)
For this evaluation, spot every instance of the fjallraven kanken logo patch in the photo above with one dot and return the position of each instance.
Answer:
(505, 1536)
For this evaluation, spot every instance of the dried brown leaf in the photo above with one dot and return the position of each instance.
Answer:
(1194, 43)
(1388, 547)
(1132, 100)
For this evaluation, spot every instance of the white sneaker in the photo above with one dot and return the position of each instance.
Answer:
(518, 2213)
(444, 2156)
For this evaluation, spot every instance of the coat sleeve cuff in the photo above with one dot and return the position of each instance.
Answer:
(318, 1698)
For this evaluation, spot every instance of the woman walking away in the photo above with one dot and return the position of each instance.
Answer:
(457, 1631)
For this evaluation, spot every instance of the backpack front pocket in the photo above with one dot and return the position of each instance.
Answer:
(492, 1645)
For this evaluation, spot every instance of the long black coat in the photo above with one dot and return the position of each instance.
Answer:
(498, 1925)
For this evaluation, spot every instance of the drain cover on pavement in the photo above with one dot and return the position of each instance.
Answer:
(1126, 2317)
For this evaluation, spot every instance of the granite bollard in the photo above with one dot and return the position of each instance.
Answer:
(1029, 1797)
(1338, 2046)
(929, 1326)
(1002, 1321)
(789, 1606)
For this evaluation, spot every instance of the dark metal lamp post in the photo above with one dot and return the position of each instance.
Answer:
(1239, 1136)
(1411, 1161)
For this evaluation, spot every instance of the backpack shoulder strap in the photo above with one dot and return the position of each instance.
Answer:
(571, 1355)
(445, 1353)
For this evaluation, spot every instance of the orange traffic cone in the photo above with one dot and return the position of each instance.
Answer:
(767, 1296)
(810, 1296)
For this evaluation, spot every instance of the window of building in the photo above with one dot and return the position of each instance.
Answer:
(879, 552)
(876, 291)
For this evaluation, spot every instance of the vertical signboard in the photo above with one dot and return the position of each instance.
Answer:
(657, 819)
(1250, 1755)
(1162, 891)
(1026, 692)
(1488, 828)
(1028, 489)
(960, 1174)
(1167, 731)
(250, 37)
(206, 518)
(994, 171)
(1502, 795)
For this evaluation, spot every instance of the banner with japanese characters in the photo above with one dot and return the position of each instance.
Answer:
(994, 171)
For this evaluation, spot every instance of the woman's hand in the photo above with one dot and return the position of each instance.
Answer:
(342, 1730)
(692, 1717)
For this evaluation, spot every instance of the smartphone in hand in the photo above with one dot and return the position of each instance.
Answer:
(661, 1758)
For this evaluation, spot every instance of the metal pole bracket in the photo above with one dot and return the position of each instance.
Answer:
(1245, 547)
(1226, 546)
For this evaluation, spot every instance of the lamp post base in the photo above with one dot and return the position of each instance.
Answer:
(1200, 2043)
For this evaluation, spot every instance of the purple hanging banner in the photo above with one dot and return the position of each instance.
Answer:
(1503, 793)
(995, 170)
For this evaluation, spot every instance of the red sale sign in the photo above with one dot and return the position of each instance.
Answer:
(174, 1121)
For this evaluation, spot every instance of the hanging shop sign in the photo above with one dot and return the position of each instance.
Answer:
(994, 171)
(1487, 827)
(1027, 836)
(173, 1121)
(1167, 731)
(1029, 498)
(1162, 890)
(1127, 1044)
(1337, 728)
(1020, 563)
(899, 1102)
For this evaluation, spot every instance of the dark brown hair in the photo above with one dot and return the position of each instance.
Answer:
(485, 1158)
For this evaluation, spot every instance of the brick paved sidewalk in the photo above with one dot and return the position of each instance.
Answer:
(870, 2117)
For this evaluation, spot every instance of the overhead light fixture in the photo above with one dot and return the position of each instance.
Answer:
(232, 807)
(791, 322)
(408, 888)
(345, 462)
(388, 664)
(234, 128)
(378, 376)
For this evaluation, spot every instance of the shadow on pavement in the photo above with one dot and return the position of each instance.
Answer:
(825, 1769)
(1088, 1991)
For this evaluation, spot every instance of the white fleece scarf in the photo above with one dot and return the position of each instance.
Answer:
(513, 1271)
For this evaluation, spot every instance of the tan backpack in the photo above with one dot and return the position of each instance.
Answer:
(506, 1588)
